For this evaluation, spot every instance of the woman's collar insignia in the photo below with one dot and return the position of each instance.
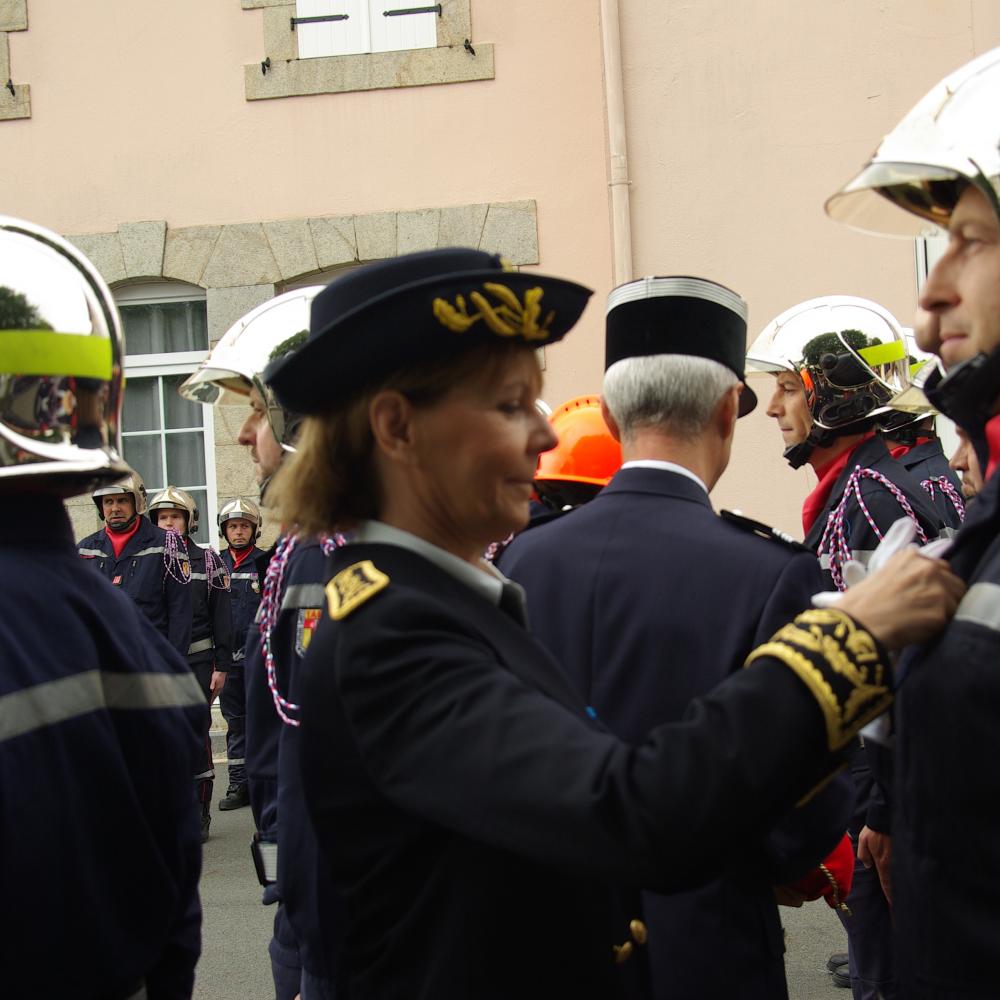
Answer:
(351, 587)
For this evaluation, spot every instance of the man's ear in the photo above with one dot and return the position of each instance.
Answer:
(610, 421)
(390, 414)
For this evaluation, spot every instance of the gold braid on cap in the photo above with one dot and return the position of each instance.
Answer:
(841, 665)
(506, 316)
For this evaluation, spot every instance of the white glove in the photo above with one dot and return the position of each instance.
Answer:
(900, 536)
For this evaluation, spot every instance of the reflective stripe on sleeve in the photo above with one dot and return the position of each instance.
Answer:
(200, 646)
(57, 701)
(91, 553)
(981, 605)
(244, 576)
(304, 595)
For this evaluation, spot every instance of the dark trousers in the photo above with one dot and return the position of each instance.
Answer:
(234, 710)
(204, 776)
(290, 979)
(869, 936)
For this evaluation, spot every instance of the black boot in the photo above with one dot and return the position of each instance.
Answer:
(236, 798)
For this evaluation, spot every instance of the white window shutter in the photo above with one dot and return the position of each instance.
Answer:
(409, 31)
(332, 38)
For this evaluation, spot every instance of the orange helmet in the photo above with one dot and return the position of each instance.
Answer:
(586, 452)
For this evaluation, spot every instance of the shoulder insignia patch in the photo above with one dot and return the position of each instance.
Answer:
(308, 619)
(762, 530)
(351, 587)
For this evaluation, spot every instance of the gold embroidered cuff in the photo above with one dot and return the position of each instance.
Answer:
(840, 663)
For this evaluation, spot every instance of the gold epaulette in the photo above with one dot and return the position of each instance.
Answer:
(840, 664)
(351, 587)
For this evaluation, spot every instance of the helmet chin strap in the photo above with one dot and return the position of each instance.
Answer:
(125, 527)
(967, 392)
(796, 455)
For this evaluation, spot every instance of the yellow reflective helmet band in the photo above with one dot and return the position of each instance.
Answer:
(43, 352)
(883, 354)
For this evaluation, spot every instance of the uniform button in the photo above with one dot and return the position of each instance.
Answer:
(638, 931)
(623, 952)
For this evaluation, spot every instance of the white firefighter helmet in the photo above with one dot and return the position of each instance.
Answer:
(850, 353)
(173, 498)
(131, 484)
(951, 138)
(236, 364)
(244, 508)
(60, 365)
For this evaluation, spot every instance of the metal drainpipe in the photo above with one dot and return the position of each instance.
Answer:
(614, 96)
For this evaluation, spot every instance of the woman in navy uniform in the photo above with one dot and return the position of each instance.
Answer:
(99, 716)
(472, 811)
(210, 654)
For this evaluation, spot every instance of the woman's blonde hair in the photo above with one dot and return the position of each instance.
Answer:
(330, 484)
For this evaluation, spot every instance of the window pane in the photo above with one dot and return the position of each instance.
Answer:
(142, 408)
(204, 532)
(137, 326)
(179, 412)
(186, 459)
(144, 455)
(165, 327)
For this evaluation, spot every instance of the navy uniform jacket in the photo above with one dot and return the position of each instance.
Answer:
(647, 568)
(211, 612)
(474, 815)
(100, 723)
(245, 585)
(946, 822)
(882, 505)
(140, 572)
(311, 903)
(873, 797)
(926, 463)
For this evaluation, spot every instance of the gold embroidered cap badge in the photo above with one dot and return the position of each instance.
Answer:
(507, 315)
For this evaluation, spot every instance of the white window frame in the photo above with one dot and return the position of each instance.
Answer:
(173, 363)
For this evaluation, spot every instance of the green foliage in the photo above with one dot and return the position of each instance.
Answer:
(17, 313)
(832, 343)
(293, 343)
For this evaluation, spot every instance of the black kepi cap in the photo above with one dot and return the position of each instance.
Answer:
(389, 315)
(679, 315)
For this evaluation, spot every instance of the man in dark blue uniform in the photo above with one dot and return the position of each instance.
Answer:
(838, 362)
(240, 523)
(941, 165)
(308, 921)
(210, 653)
(648, 566)
(912, 441)
(148, 563)
(99, 716)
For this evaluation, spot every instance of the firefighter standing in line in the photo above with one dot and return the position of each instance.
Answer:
(148, 563)
(940, 166)
(99, 716)
(308, 920)
(240, 524)
(210, 653)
